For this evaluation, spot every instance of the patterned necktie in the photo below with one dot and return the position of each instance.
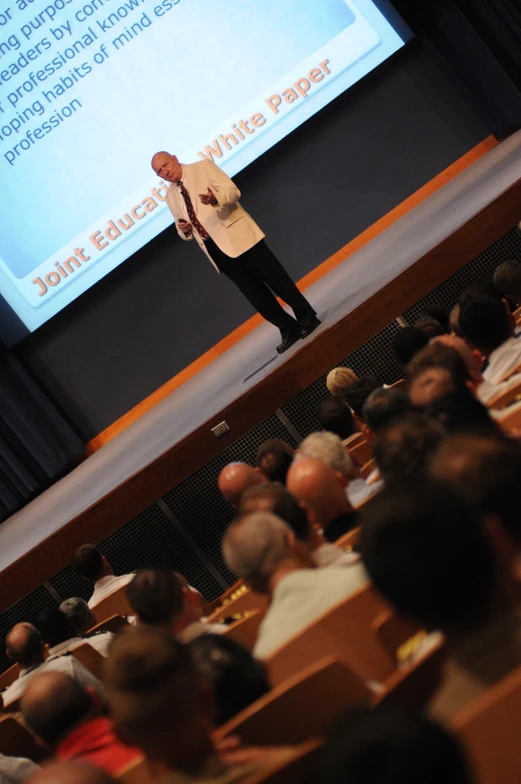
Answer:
(191, 213)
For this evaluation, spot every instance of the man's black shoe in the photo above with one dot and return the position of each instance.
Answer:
(308, 327)
(288, 341)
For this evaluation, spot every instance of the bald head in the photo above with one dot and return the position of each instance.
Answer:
(68, 772)
(315, 485)
(472, 358)
(167, 166)
(53, 704)
(235, 478)
(257, 545)
(24, 645)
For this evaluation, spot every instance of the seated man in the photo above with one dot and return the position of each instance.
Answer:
(80, 617)
(430, 326)
(161, 600)
(57, 632)
(404, 448)
(407, 342)
(507, 278)
(273, 497)
(334, 416)
(316, 487)
(263, 551)
(69, 720)
(382, 407)
(159, 703)
(357, 394)
(432, 558)
(90, 564)
(274, 458)
(488, 325)
(339, 380)
(24, 645)
(235, 478)
(328, 447)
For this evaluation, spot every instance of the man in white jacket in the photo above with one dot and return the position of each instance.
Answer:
(205, 204)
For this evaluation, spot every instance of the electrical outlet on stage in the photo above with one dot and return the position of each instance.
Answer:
(220, 429)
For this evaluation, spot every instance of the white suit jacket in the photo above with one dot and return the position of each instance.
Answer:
(229, 226)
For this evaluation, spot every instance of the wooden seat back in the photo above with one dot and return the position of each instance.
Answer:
(112, 624)
(298, 769)
(349, 540)
(510, 421)
(413, 686)
(368, 468)
(9, 676)
(394, 632)
(302, 707)
(402, 384)
(224, 597)
(114, 604)
(343, 632)
(489, 731)
(246, 629)
(360, 453)
(90, 658)
(505, 398)
(245, 601)
(17, 741)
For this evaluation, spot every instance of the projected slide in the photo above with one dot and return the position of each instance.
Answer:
(90, 89)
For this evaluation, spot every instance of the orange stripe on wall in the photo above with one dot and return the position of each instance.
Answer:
(312, 277)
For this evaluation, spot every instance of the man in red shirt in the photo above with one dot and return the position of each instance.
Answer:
(69, 720)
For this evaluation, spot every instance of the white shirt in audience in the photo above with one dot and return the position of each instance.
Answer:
(330, 555)
(66, 646)
(198, 628)
(301, 597)
(359, 491)
(101, 642)
(503, 361)
(66, 664)
(107, 585)
(16, 770)
(487, 391)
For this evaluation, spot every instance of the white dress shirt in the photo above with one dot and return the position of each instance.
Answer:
(300, 598)
(198, 629)
(330, 555)
(16, 770)
(66, 664)
(487, 391)
(359, 490)
(503, 361)
(107, 585)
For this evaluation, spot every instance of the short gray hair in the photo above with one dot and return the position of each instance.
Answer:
(327, 447)
(254, 546)
(77, 612)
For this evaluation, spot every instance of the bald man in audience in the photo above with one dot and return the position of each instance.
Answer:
(329, 448)
(235, 478)
(316, 487)
(70, 773)
(69, 719)
(162, 600)
(160, 704)
(273, 497)
(264, 552)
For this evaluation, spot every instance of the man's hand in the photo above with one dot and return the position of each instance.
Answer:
(208, 198)
(185, 227)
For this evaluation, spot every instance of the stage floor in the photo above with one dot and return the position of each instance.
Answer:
(204, 397)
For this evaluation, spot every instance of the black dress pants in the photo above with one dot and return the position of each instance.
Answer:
(261, 278)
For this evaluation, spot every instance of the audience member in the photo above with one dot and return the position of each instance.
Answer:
(149, 672)
(339, 380)
(81, 619)
(160, 600)
(486, 469)
(263, 551)
(334, 416)
(436, 371)
(16, 770)
(486, 323)
(90, 564)
(24, 646)
(71, 773)
(403, 449)
(235, 478)
(388, 745)
(274, 498)
(461, 412)
(381, 408)
(431, 557)
(430, 326)
(69, 720)
(440, 314)
(507, 278)
(234, 677)
(316, 487)
(358, 393)
(329, 448)
(274, 458)
(407, 342)
(57, 632)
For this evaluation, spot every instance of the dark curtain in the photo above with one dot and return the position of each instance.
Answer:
(481, 39)
(37, 446)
